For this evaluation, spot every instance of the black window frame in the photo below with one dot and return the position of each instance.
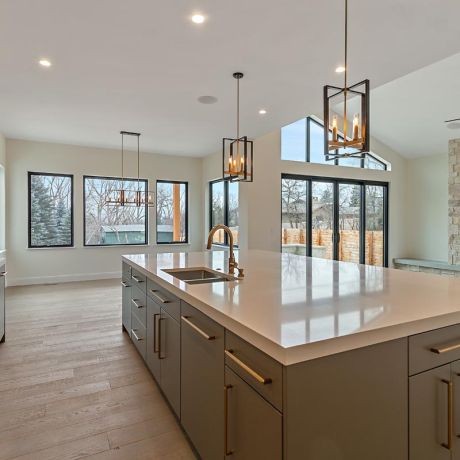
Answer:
(362, 221)
(187, 236)
(226, 214)
(86, 176)
(336, 162)
(29, 210)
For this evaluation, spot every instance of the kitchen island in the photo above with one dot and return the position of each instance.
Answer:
(304, 358)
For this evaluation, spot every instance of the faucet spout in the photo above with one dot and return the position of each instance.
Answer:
(232, 264)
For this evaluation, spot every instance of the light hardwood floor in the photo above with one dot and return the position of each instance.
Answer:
(73, 386)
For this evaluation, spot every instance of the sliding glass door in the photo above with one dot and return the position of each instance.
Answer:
(335, 219)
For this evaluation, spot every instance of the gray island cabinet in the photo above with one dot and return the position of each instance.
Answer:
(398, 399)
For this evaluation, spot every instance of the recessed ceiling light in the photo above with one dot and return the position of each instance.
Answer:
(44, 63)
(207, 99)
(198, 18)
(262, 112)
(340, 69)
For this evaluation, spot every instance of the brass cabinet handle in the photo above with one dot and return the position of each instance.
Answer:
(197, 329)
(137, 305)
(136, 279)
(159, 339)
(226, 449)
(450, 414)
(3, 273)
(251, 372)
(156, 347)
(159, 297)
(133, 332)
(445, 349)
(122, 283)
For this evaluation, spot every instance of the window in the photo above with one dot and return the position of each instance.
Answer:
(50, 210)
(224, 209)
(172, 212)
(337, 219)
(303, 141)
(112, 225)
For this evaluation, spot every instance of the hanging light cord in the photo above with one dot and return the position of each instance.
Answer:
(122, 161)
(346, 71)
(238, 108)
(138, 161)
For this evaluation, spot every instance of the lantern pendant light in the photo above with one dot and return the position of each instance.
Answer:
(125, 197)
(237, 153)
(339, 140)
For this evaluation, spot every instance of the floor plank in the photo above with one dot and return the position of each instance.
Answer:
(72, 384)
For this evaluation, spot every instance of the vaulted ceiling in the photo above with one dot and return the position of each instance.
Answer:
(141, 64)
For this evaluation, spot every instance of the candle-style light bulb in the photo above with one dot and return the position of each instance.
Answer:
(334, 128)
(355, 127)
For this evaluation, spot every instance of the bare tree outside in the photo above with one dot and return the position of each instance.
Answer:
(113, 224)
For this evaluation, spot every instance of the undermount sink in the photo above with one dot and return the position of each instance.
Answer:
(198, 275)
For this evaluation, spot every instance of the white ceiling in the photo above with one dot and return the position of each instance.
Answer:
(141, 64)
(408, 114)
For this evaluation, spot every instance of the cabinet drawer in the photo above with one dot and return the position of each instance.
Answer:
(255, 367)
(139, 305)
(138, 279)
(167, 301)
(434, 348)
(126, 270)
(138, 335)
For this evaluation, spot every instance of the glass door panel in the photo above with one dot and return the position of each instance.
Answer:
(375, 221)
(322, 219)
(294, 207)
(233, 210)
(349, 213)
(218, 210)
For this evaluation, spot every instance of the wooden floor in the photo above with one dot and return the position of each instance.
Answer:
(73, 386)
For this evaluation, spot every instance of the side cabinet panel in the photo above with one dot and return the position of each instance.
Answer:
(202, 382)
(349, 406)
(2, 304)
(428, 411)
(153, 320)
(169, 354)
(254, 427)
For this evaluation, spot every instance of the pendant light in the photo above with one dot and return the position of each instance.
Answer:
(339, 140)
(237, 153)
(123, 197)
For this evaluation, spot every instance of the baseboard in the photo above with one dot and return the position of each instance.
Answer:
(11, 281)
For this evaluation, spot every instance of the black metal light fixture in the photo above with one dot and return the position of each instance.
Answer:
(125, 197)
(339, 140)
(237, 153)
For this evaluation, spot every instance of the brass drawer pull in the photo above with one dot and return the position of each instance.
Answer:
(156, 343)
(197, 329)
(136, 304)
(450, 415)
(226, 449)
(136, 279)
(445, 349)
(159, 338)
(3, 273)
(124, 284)
(159, 297)
(251, 372)
(133, 332)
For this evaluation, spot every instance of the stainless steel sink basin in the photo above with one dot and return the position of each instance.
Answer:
(198, 275)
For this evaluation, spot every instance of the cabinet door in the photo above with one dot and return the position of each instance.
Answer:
(153, 346)
(202, 381)
(455, 375)
(253, 426)
(126, 306)
(169, 354)
(428, 414)
(2, 304)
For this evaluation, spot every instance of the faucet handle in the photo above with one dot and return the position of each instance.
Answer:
(240, 272)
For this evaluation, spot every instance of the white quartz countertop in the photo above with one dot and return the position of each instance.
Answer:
(298, 308)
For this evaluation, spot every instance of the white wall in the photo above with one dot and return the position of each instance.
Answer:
(427, 194)
(2, 192)
(29, 266)
(260, 201)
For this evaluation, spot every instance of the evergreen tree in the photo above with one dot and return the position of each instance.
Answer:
(63, 224)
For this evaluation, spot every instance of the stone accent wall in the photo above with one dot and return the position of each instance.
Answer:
(434, 271)
(454, 201)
